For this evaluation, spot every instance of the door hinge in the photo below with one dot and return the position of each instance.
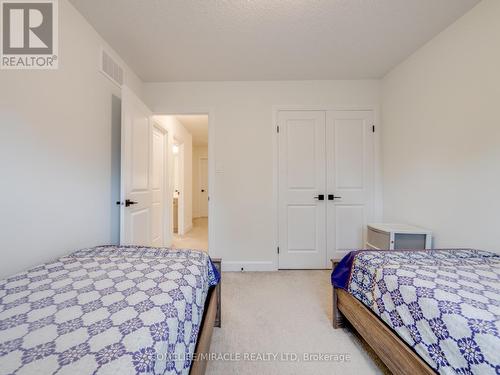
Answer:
(373, 128)
(277, 128)
(278, 249)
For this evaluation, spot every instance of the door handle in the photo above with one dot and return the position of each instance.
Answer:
(128, 202)
(332, 197)
(320, 197)
(202, 190)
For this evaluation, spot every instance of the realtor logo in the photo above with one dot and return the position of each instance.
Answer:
(29, 37)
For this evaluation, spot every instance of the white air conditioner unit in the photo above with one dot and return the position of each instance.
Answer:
(397, 236)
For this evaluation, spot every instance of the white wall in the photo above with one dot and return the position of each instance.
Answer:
(441, 137)
(59, 145)
(242, 112)
(59, 152)
(198, 152)
(177, 133)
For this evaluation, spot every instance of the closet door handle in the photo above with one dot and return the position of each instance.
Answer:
(320, 197)
(332, 197)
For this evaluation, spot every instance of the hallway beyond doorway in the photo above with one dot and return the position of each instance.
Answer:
(196, 238)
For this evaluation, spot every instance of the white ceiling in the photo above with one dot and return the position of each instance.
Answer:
(203, 40)
(197, 125)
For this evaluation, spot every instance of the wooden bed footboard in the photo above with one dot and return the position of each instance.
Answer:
(338, 319)
(211, 319)
(218, 316)
(390, 348)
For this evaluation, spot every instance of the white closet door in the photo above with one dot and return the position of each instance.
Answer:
(302, 177)
(349, 179)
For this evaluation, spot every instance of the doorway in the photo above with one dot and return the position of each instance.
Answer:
(189, 194)
(195, 235)
(165, 169)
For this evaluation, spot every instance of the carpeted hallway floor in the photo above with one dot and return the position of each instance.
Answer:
(196, 238)
(284, 312)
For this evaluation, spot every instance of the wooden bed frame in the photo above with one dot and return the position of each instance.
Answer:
(211, 319)
(391, 349)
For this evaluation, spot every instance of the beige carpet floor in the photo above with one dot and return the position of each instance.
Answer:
(196, 238)
(284, 312)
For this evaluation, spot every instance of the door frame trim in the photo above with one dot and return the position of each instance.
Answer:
(210, 112)
(377, 161)
(181, 157)
(199, 181)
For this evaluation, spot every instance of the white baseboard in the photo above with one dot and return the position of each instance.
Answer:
(232, 266)
(200, 217)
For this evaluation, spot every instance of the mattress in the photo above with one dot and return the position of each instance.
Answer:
(105, 310)
(445, 304)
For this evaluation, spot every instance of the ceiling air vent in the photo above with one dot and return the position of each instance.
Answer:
(111, 69)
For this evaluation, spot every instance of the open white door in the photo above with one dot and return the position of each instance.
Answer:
(136, 215)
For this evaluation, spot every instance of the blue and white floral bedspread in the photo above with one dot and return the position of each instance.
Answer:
(444, 303)
(105, 310)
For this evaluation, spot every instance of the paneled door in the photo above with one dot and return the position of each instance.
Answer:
(325, 192)
(136, 215)
(349, 161)
(302, 181)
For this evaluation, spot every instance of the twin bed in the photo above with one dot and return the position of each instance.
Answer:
(423, 312)
(111, 310)
(125, 310)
